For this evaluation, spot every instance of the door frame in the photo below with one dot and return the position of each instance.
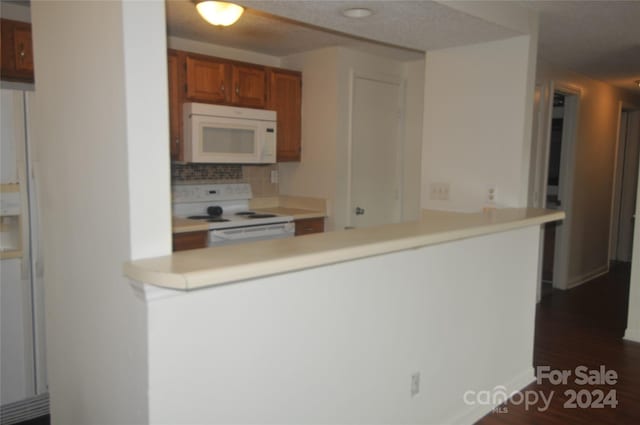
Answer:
(567, 159)
(388, 79)
(623, 107)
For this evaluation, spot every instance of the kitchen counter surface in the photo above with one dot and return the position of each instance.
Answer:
(184, 225)
(296, 213)
(297, 207)
(201, 268)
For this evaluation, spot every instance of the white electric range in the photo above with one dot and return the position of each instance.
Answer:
(226, 208)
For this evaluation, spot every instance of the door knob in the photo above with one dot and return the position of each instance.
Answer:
(359, 211)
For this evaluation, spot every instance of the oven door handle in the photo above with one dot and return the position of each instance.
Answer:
(228, 235)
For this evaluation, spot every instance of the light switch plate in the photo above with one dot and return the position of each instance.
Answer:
(439, 191)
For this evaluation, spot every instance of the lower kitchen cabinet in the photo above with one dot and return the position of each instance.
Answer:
(190, 240)
(308, 226)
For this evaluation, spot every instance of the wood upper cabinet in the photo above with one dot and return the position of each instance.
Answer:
(175, 106)
(207, 79)
(212, 80)
(285, 97)
(249, 86)
(17, 51)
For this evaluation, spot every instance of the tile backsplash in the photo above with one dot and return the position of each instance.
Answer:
(213, 173)
(259, 176)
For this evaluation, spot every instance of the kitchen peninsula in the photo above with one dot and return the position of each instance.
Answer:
(338, 319)
(219, 265)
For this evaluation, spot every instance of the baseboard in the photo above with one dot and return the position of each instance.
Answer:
(632, 335)
(23, 410)
(476, 412)
(577, 281)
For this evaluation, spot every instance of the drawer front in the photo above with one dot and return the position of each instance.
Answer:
(309, 226)
(190, 240)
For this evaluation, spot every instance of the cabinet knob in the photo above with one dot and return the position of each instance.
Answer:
(222, 86)
(237, 89)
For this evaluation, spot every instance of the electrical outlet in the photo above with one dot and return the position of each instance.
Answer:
(274, 176)
(415, 384)
(492, 193)
(439, 191)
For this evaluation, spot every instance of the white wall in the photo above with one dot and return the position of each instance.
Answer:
(316, 174)
(593, 177)
(339, 343)
(414, 114)
(478, 102)
(100, 119)
(15, 12)
(222, 51)
(323, 170)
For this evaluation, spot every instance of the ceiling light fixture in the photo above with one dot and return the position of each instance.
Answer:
(219, 12)
(638, 83)
(357, 12)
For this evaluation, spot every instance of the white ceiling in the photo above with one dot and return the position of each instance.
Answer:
(600, 39)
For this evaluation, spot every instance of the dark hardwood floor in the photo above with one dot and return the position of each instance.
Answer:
(583, 327)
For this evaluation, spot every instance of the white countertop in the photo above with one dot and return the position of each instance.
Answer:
(200, 268)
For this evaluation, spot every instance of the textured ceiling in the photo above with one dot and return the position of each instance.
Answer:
(260, 32)
(284, 27)
(600, 39)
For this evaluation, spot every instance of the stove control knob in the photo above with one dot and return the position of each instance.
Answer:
(214, 211)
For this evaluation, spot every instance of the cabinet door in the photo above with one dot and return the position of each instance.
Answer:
(285, 97)
(249, 86)
(309, 226)
(207, 80)
(17, 51)
(23, 49)
(175, 109)
(190, 240)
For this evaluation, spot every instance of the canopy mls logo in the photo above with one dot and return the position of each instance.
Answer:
(498, 396)
(575, 398)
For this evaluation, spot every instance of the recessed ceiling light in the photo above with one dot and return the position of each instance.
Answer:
(357, 12)
(638, 83)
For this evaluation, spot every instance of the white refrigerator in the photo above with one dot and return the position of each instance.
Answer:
(23, 376)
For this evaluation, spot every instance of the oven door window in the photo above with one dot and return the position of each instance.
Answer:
(228, 140)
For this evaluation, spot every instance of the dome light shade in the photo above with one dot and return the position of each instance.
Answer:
(219, 12)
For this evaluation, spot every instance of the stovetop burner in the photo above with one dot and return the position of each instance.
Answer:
(222, 207)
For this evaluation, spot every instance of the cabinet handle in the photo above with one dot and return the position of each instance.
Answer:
(177, 142)
(22, 54)
(222, 87)
(238, 89)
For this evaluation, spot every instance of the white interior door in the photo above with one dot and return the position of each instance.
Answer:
(376, 142)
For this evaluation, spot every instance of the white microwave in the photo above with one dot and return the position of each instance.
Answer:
(228, 134)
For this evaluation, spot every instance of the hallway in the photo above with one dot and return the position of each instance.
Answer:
(583, 326)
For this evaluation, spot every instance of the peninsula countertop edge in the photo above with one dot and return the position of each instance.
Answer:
(201, 268)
